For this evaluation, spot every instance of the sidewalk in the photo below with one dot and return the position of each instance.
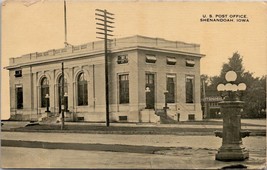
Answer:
(131, 129)
(211, 124)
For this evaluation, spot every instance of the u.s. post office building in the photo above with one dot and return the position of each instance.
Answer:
(143, 74)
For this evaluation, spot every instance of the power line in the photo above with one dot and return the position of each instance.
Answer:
(104, 19)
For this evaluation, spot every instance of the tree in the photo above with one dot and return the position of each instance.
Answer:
(210, 84)
(235, 64)
(255, 94)
(255, 99)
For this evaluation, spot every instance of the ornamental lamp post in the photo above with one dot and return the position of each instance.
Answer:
(47, 102)
(232, 148)
(166, 105)
(66, 102)
(147, 90)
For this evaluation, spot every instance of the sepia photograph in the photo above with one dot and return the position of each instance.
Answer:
(133, 84)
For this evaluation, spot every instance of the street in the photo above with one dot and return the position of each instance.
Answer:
(187, 152)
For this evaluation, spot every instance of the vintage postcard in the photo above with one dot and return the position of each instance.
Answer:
(133, 84)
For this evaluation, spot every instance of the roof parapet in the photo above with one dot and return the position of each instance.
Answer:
(116, 44)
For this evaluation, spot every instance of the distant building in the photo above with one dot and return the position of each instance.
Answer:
(211, 107)
(141, 69)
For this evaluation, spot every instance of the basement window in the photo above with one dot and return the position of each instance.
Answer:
(191, 117)
(122, 59)
(190, 63)
(151, 59)
(171, 60)
(123, 118)
(18, 73)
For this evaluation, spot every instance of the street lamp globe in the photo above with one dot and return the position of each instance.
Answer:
(234, 87)
(230, 76)
(47, 96)
(221, 87)
(241, 87)
(228, 87)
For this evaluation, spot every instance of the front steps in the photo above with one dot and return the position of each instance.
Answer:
(49, 117)
(149, 116)
(164, 117)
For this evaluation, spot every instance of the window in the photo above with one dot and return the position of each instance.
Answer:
(190, 63)
(44, 91)
(19, 94)
(82, 90)
(191, 117)
(122, 59)
(171, 61)
(18, 73)
(171, 89)
(189, 89)
(124, 88)
(151, 59)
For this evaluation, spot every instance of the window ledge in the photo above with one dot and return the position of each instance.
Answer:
(152, 64)
(123, 64)
(189, 104)
(82, 105)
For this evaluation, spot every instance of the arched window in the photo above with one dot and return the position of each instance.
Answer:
(44, 91)
(82, 90)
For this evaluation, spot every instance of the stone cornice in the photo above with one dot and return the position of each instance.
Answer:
(96, 48)
(72, 56)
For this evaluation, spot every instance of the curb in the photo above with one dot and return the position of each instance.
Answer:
(147, 132)
(84, 146)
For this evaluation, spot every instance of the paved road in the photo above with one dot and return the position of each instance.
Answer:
(188, 152)
(211, 142)
(44, 158)
(200, 149)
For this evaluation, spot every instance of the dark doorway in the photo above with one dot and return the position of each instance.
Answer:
(150, 91)
(19, 93)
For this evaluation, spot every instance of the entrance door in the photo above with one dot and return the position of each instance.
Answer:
(150, 91)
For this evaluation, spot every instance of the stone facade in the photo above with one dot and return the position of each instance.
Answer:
(136, 51)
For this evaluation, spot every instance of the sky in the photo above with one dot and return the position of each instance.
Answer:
(40, 27)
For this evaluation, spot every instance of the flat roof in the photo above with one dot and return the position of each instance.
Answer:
(115, 45)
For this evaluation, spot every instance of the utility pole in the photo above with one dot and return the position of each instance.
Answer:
(204, 99)
(62, 98)
(65, 23)
(105, 20)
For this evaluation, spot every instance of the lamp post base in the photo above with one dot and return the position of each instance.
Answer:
(232, 152)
